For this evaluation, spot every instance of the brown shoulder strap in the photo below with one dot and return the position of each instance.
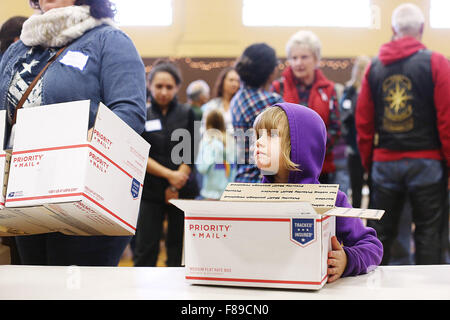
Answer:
(33, 83)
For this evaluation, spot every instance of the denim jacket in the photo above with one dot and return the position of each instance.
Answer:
(113, 74)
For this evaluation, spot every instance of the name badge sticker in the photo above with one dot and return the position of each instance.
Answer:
(323, 95)
(347, 104)
(75, 59)
(153, 125)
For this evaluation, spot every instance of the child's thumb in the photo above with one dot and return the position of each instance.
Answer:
(335, 245)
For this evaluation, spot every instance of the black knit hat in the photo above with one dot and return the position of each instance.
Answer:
(256, 64)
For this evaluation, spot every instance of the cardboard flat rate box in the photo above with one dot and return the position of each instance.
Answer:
(263, 235)
(62, 180)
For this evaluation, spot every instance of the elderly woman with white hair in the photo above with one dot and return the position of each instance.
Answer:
(403, 128)
(302, 82)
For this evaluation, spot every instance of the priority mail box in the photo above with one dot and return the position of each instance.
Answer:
(263, 235)
(61, 179)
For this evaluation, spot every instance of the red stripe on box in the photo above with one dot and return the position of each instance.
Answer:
(117, 166)
(323, 219)
(103, 155)
(46, 197)
(239, 219)
(257, 280)
(249, 219)
(51, 149)
(74, 147)
(109, 211)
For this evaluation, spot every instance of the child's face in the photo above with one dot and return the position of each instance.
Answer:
(267, 152)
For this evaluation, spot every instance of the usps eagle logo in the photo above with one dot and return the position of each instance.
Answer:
(302, 231)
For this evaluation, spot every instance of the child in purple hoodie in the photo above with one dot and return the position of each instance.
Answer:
(293, 151)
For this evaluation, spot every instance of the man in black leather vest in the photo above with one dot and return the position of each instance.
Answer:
(403, 126)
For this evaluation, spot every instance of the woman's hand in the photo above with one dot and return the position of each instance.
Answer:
(177, 178)
(337, 260)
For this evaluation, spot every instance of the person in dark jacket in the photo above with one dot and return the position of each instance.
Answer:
(169, 169)
(403, 126)
(347, 108)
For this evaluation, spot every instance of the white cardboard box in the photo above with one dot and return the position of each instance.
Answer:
(60, 181)
(253, 240)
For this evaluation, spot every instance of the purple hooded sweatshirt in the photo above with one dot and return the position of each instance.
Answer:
(308, 140)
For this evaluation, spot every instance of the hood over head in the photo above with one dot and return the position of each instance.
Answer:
(308, 143)
(399, 49)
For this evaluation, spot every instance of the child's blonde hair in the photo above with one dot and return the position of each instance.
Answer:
(274, 118)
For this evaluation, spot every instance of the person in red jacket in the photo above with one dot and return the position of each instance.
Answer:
(303, 83)
(403, 127)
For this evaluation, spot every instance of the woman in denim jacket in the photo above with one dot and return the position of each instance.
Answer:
(100, 63)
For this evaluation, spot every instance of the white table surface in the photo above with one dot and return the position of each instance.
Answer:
(103, 283)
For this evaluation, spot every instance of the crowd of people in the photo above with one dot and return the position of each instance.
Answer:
(387, 128)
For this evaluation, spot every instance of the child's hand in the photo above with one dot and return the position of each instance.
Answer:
(337, 260)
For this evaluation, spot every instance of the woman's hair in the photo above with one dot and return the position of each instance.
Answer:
(274, 118)
(256, 64)
(306, 39)
(218, 86)
(10, 30)
(358, 69)
(99, 8)
(162, 65)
